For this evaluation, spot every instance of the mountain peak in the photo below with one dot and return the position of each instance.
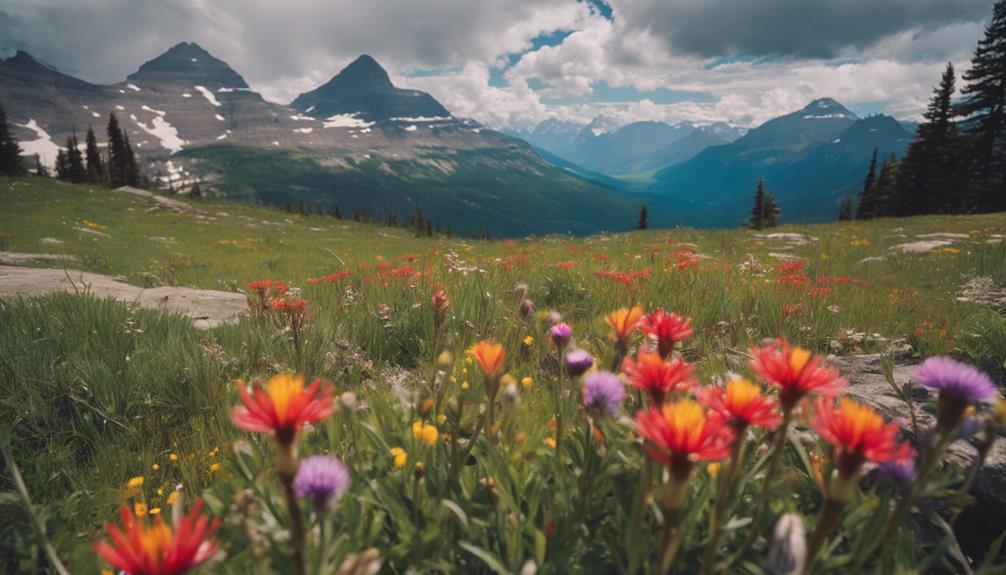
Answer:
(188, 63)
(826, 108)
(363, 88)
(22, 59)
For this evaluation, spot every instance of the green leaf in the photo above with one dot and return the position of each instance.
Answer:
(488, 558)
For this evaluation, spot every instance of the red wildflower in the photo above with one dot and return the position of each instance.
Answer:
(284, 407)
(666, 329)
(655, 376)
(858, 434)
(741, 403)
(683, 432)
(139, 549)
(795, 371)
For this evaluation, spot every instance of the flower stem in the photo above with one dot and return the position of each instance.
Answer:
(828, 517)
(725, 486)
(296, 526)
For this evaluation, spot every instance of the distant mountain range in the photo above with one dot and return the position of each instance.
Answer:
(810, 160)
(356, 142)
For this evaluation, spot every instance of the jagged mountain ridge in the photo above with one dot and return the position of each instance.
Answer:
(181, 105)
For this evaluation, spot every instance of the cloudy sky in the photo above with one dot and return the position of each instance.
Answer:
(517, 62)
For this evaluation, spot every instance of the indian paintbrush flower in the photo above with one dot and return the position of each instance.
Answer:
(603, 393)
(322, 479)
(666, 330)
(741, 403)
(796, 372)
(655, 376)
(959, 385)
(623, 322)
(159, 549)
(858, 434)
(683, 432)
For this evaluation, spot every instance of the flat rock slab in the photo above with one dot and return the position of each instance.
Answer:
(18, 258)
(921, 246)
(207, 308)
(158, 199)
(868, 385)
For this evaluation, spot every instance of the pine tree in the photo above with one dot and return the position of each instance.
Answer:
(10, 152)
(117, 166)
(358, 215)
(644, 217)
(758, 211)
(867, 209)
(76, 172)
(930, 177)
(983, 112)
(132, 167)
(196, 191)
(845, 210)
(429, 229)
(95, 168)
(338, 212)
(62, 168)
(772, 211)
(40, 169)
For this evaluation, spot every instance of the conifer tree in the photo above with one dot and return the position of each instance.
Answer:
(76, 172)
(866, 209)
(983, 112)
(429, 229)
(358, 215)
(196, 191)
(845, 210)
(62, 169)
(758, 211)
(930, 178)
(644, 217)
(117, 166)
(40, 169)
(132, 167)
(95, 168)
(338, 212)
(772, 211)
(10, 152)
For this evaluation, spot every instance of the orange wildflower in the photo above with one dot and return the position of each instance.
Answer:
(490, 356)
(858, 433)
(666, 329)
(741, 403)
(284, 407)
(623, 323)
(796, 372)
(682, 432)
(656, 376)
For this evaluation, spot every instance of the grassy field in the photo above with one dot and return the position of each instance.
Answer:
(93, 393)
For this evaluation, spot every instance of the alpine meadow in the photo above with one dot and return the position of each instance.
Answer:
(513, 287)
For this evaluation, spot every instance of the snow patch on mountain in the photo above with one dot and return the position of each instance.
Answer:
(208, 95)
(303, 130)
(346, 121)
(422, 119)
(165, 132)
(43, 145)
(133, 87)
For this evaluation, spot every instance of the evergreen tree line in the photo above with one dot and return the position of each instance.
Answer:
(419, 224)
(956, 162)
(119, 168)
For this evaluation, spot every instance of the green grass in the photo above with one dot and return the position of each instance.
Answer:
(95, 392)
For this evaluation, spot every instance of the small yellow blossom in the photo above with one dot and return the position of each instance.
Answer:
(214, 467)
(173, 457)
(135, 482)
(172, 498)
(160, 491)
(550, 441)
(155, 511)
(527, 382)
(155, 467)
(399, 457)
(425, 432)
(140, 509)
(528, 340)
(441, 418)
(712, 469)
(464, 385)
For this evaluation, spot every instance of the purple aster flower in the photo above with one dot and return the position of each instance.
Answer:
(560, 334)
(900, 472)
(603, 393)
(322, 478)
(958, 383)
(578, 362)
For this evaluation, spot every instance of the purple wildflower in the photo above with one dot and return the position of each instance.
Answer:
(958, 383)
(322, 478)
(900, 472)
(560, 334)
(578, 362)
(603, 393)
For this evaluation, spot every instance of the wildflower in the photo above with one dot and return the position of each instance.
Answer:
(713, 469)
(796, 372)
(323, 479)
(440, 303)
(655, 376)
(214, 467)
(683, 432)
(155, 467)
(527, 382)
(603, 393)
(560, 334)
(172, 498)
(135, 482)
(578, 362)
(959, 384)
(858, 434)
(173, 457)
(526, 309)
(140, 508)
(528, 340)
(399, 457)
(284, 407)
(900, 472)
(741, 403)
(623, 322)
(550, 441)
(490, 356)
(666, 329)
(425, 432)
(159, 549)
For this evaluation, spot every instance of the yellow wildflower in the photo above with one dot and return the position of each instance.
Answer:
(214, 467)
(155, 467)
(155, 511)
(425, 432)
(173, 457)
(135, 482)
(528, 340)
(172, 498)
(527, 382)
(140, 508)
(550, 441)
(399, 457)
(712, 469)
